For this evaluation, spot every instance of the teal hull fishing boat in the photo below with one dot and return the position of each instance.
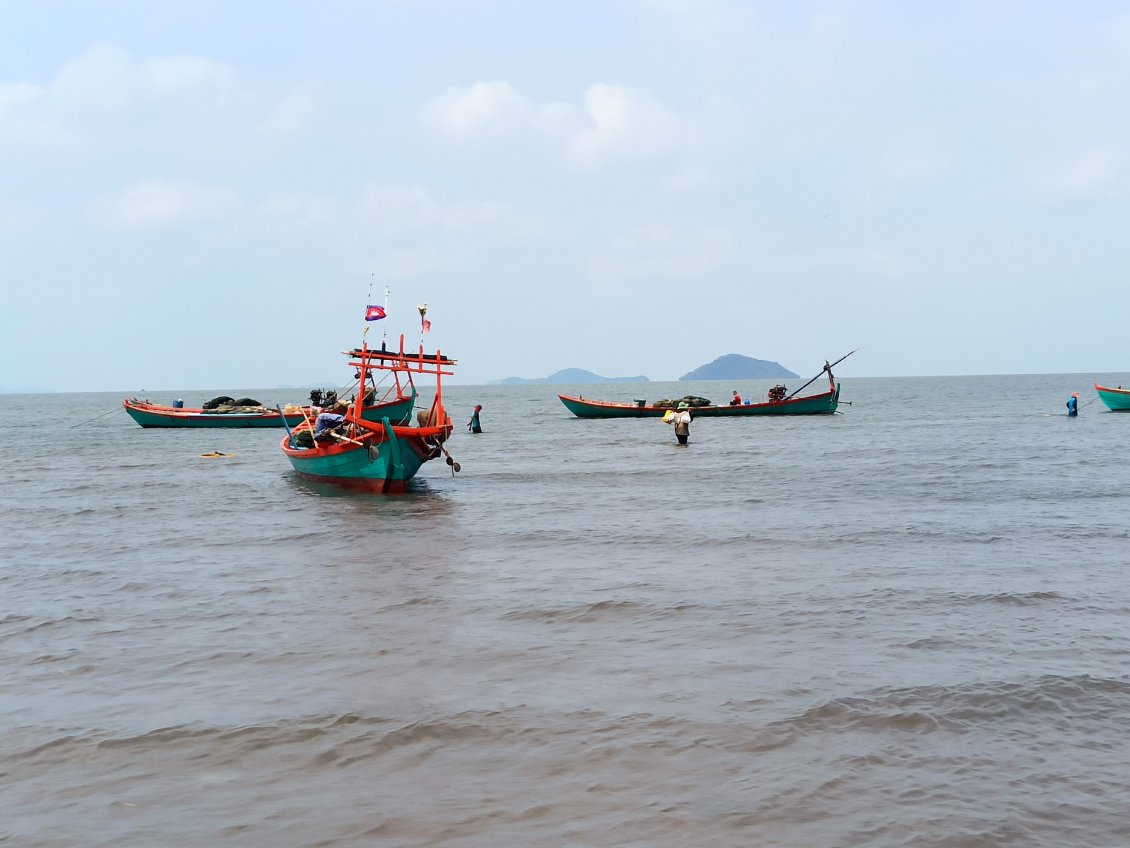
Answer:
(354, 452)
(779, 403)
(1116, 400)
(398, 409)
(824, 403)
(158, 415)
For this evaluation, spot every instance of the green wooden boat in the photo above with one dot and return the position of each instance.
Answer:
(375, 456)
(397, 408)
(1116, 400)
(159, 415)
(821, 404)
(779, 403)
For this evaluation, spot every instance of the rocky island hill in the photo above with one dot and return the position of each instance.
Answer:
(567, 376)
(734, 366)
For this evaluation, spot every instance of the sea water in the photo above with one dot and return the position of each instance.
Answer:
(904, 625)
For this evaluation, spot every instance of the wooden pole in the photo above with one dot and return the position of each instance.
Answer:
(827, 368)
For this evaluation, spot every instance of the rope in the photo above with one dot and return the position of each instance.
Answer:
(95, 418)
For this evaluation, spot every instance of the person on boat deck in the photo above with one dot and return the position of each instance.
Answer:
(326, 421)
(682, 421)
(474, 425)
(736, 400)
(1073, 405)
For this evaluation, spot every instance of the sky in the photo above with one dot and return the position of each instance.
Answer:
(207, 194)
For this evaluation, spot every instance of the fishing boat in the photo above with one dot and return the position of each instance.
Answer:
(1116, 400)
(379, 456)
(780, 402)
(396, 404)
(149, 414)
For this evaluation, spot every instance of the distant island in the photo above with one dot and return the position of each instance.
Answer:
(734, 366)
(566, 376)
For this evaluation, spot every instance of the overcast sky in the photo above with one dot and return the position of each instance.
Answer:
(201, 194)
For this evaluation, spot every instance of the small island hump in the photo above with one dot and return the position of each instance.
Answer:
(734, 366)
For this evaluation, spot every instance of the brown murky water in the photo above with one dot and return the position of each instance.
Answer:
(907, 625)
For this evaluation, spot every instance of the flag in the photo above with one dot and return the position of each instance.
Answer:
(374, 313)
(425, 325)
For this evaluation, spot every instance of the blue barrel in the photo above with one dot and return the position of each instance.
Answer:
(178, 404)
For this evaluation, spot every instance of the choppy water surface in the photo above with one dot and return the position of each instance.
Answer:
(906, 625)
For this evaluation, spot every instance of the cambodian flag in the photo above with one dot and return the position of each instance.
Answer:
(374, 313)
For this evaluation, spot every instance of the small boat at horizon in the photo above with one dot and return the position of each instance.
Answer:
(1116, 400)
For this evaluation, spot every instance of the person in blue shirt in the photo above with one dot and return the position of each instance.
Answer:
(474, 425)
(1073, 405)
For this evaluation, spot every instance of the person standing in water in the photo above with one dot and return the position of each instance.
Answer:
(474, 425)
(1073, 405)
(682, 421)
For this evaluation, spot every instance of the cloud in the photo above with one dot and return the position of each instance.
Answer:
(418, 233)
(407, 211)
(296, 210)
(1095, 169)
(162, 202)
(622, 122)
(610, 123)
(107, 79)
(481, 110)
(293, 112)
(15, 220)
(17, 95)
(690, 180)
(917, 161)
(106, 96)
(662, 251)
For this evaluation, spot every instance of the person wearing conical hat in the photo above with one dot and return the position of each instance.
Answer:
(682, 421)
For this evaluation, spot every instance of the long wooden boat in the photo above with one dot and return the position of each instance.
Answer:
(375, 456)
(820, 404)
(823, 403)
(1116, 400)
(395, 403)
(158, 415)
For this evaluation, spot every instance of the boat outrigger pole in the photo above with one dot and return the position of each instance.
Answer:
(289, 434)
(827, 368)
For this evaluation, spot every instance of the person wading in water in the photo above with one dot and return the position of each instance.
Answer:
(682, 421)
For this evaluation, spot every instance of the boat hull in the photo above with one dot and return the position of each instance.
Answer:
(1116, 400)
(157, 415)
(382, 465)
(821, 404)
